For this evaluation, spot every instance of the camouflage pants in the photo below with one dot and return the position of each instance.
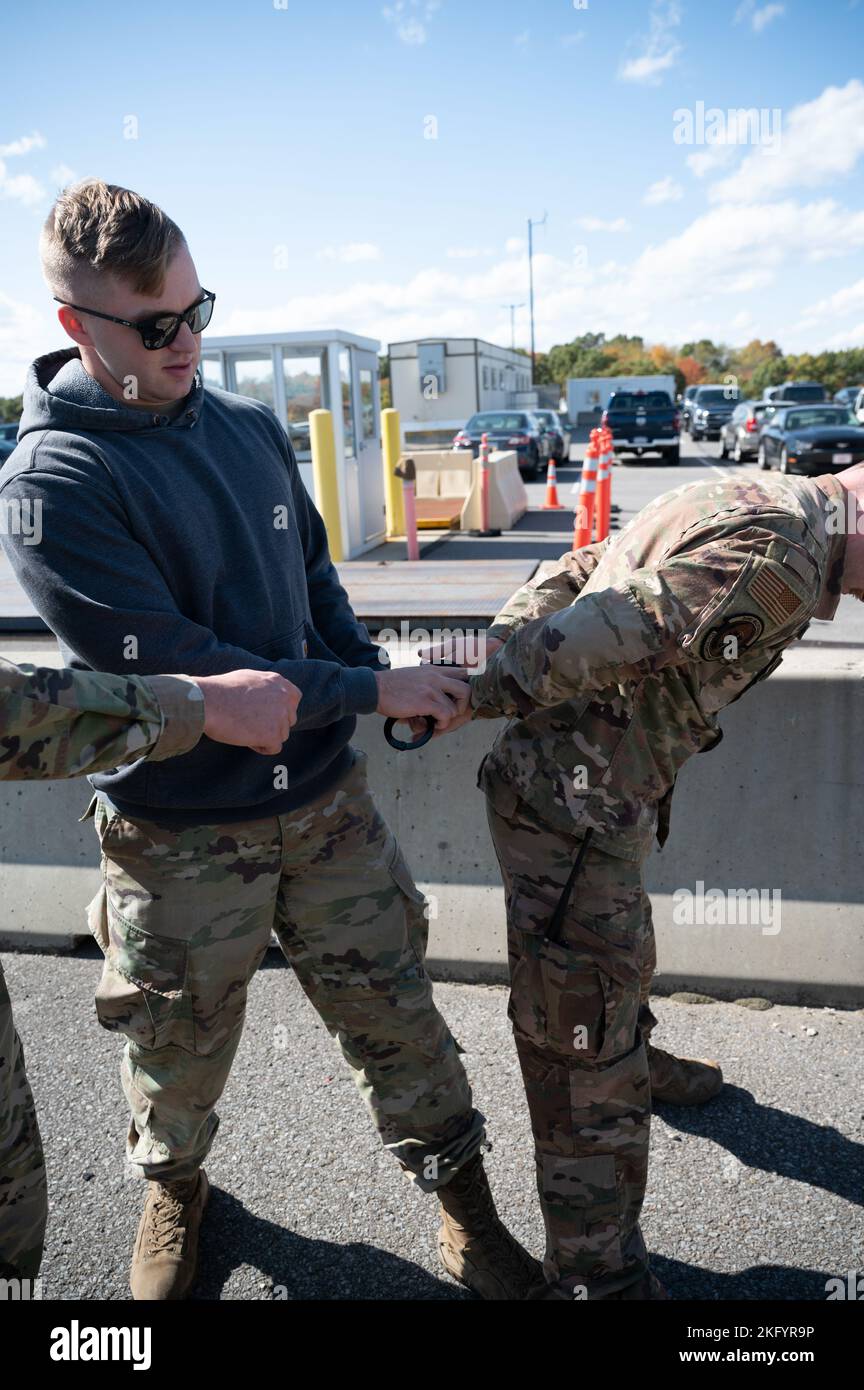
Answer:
(184, 918)
(579, 1012)
(23, 1193)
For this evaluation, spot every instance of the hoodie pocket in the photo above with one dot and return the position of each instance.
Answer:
(289, 646)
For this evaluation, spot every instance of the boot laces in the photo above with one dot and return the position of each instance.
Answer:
(167, 1223)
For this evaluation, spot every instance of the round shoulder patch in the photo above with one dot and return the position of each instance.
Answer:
(744, 630)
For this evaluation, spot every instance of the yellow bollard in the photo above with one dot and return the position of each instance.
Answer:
(391, 446)
(325, 479)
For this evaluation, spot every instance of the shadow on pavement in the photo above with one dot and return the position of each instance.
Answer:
(685, 1281)
(298, 1268)
(761, 1136)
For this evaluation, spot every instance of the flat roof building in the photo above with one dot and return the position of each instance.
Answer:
(437, 383)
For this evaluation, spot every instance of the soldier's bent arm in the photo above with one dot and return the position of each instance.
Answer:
(64, 723)
(682, 610)
(550, 592)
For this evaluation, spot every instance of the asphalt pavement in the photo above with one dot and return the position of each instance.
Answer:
(755, 1196)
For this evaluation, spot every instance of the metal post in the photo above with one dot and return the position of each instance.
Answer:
(531, 226)
(513, 308)
(391, 448)
(324, 472)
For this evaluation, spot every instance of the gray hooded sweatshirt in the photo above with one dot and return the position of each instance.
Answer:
(187, 545)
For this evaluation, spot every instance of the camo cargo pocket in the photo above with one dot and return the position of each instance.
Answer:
(579, 997)
(416, 905)
(140, 993)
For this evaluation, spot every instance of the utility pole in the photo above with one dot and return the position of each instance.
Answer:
(513, 308)
(531, 226)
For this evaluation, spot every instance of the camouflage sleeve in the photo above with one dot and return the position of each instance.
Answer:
(63, 723)
(549, 592)
(708, 604)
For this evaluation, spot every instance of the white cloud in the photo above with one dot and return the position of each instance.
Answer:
(468, 253)
(62, 175)
(515, 244)
(410, 19)
(659, 48)
(719, 267)
(706, 161)
(350, 253)
(596, 224)
(24, 145)
(663, 191)
(821, 141)
(849, 299)
(846, 338)
(21, 188)
(25, 333)
(760, 16)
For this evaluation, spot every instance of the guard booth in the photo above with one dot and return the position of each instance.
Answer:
(296, 373)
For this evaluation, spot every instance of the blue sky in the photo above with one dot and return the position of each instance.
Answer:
(371, 166)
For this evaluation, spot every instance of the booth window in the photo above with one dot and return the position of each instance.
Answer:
(302, 378)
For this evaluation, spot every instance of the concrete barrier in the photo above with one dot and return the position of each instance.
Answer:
(776, 808)
(444, 478)
(448, 489)
(508, 497)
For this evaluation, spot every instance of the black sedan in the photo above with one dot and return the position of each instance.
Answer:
(811, 439)
(519, 430)
(557, 443)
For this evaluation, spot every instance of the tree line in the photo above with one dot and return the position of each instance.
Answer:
(755, 366)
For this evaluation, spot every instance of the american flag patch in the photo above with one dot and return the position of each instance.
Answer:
(776, 598)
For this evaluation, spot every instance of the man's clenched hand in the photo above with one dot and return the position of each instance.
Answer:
(249, 709)
(418, 690)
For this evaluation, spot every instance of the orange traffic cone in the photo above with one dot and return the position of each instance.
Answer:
(584, 519)
(604, 485)
(552, 504)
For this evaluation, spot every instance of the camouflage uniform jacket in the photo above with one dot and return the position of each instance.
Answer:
(62, 723)
(616, 664)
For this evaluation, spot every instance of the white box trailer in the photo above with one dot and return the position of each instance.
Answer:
(436, 384)
(587, 397)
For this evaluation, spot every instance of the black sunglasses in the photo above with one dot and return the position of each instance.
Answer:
(161, 329)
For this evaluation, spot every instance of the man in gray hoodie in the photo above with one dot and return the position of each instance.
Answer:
(176, 534)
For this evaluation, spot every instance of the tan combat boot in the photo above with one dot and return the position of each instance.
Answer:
(165, 1259)
(681, 1080)
(474, 1245)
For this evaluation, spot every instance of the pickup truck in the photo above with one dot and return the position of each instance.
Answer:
(643, 422)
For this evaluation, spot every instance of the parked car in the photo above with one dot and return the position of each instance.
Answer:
(739, 437)
(811, 439)
(796, 391)
(559, 449)
(686, 403)
(711, 407)
(8, 439)
(847, 395)
(508, 429)
(858, 407)
(643, 422)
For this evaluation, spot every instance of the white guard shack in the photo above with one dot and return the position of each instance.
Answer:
(437, 383)
(296, 373)
(588, 397)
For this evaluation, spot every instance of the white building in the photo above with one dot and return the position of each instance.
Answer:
(296, 373)
(437, 383)
(588, 396)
